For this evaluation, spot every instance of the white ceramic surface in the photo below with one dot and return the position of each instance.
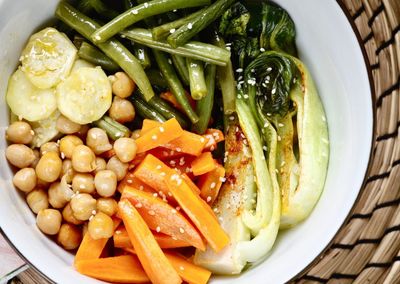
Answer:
(330, 49)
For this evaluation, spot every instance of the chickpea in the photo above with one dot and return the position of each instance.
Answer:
(101, 226)
(82, 133)
(83, 159)
(20, 155)
(49, 147)
(67, 170)
(83, 206)
(122, 85)
(37, 200)
(59, 195)
(69, 216)
(97, 140)
(135, 134)
(68, 144)
(49, 221)
(37, 158)
(20, 132)
(118, 167)
(66, 126)
(105, 183)
(83, 183)
(25, 180)
(125, 149)
(101, 164)
(69, 236)
(122, 110)
(108, 206)
(49, 167)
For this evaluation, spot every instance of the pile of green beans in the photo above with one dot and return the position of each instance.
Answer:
(167, 46)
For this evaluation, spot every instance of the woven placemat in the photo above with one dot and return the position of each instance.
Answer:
(367, 248)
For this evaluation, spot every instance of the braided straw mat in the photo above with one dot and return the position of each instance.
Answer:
(367, 248)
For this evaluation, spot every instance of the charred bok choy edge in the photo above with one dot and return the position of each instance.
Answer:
(112, 48)
(140, 12)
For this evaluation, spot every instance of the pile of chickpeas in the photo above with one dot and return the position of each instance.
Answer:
(69, 184)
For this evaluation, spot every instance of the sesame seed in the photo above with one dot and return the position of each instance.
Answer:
(172, 31)
(174, 10)
(279, 138)
(222, 179)
(262, 49)
(202, 139)
(90, 218)
(231, 118)
(152, 213)
(216, 210)
(239, 70)
(141, 187)
(139, 205)
(94, 212)
(161, 129)
(181, 230)
(280, 125)
(154, 137)
(169, 61)
(178, 149)
(97, 37)
(190, 26)
(177, 208)
(62, 155)
(163, 174)
(273, 91)
(269, 69)
(228, 48)
(173, 211)
(154, 113)
(212, 148)
(146, 4)
(134, 12)
(158, 229)
(220, 218)
(265, 148)
(212, 185)
(155, 194)
(209, 198)
(158, 167)
(181, 267)
(228, 206)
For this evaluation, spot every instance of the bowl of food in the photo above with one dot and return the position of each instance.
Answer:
(169, 141)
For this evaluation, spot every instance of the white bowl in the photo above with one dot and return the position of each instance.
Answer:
(329, 47)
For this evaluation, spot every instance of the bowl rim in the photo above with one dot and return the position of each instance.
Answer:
(369, 165)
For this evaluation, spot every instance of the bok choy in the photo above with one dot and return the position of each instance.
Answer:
(277, 148)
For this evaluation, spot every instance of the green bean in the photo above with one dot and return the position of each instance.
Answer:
(175, 84)
(156, 78)
(113, 128)
(112, 48)
(98, 58)
(205, 105)
(209, 15)
(197, 50)
(103, 10)
(166, 29)
(226, 82)
(145, 111)
(166, 110)
(181, 68)
(198, 88)
(142, 54)
(140, 12)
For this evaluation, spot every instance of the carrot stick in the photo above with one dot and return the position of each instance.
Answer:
(189, 272)
(190, 183)
(188, 143)
(152, 258)
(212, 137)
(132, 181)
(203, 164)
(194, 207)
(158, 136)
(121, 240)
(164, 153)
(90, 248)
(121, 269)
(210, 183)
(169, 97)
(162, 217)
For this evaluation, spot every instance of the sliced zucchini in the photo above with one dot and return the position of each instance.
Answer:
(27, 101)
(48, 58)
(45, 130)
(79, 63)
(85, 96)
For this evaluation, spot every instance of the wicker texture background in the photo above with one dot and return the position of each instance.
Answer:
(367, 248)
